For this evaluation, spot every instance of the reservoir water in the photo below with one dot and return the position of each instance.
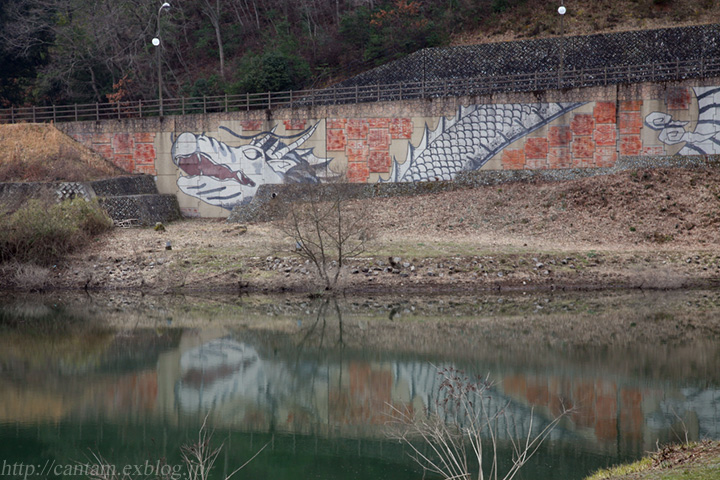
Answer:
(129, 380)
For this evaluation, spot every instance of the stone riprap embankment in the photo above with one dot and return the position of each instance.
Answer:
(131, 200)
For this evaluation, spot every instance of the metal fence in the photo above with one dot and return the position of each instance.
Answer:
(451, 87)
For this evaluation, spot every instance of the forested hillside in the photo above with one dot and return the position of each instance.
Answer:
(75, 51)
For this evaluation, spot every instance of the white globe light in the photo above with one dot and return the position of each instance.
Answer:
(156, 41)
(562, 10)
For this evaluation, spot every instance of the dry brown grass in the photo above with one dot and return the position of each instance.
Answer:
(42, 153)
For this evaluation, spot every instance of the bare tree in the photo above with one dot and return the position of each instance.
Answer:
(452, 440)
(213, 9)
(327, 227)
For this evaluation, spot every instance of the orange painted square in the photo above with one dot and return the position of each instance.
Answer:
(537, 392)
(336, 123)
(379, 162)
(144, 153)
(515, 385)
(604, 112)
(606, 429)
(357, 151)
(605, 135)
(146, 169)
(559, 157)
(513, 159)
(125, 162)
(253, 125)
(104, 149)
(378, 139)
(631, 105)
(583, 163)
(356, 129)
(401, 128)
(295, 124)
(336, 140)
(122, 143)
(536, 163)
(653, 151)
(630, 145)
(357, 173)
(559, 136)
(605, 156)
(379, 122)
(629, 123)
(100, 138)
(536, 148)
(582, 124)
(144, 137)
(583, 147)
(84, 138)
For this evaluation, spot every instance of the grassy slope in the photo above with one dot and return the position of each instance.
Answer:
(42, 153)
(695, 461)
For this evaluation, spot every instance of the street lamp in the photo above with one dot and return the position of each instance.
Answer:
(156, 43)
(562, 10)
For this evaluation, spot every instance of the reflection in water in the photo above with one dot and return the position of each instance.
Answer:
(333, 376)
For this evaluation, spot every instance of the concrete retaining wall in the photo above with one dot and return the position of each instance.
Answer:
(215, 162)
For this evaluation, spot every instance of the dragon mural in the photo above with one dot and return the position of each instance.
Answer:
(227, 176)
(471, 138)
(705, 139)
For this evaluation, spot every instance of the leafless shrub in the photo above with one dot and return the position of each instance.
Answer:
(198, 458)
(452, 439)
(29, 276)
(327, 227)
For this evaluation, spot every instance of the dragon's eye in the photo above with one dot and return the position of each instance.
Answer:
(251, 153)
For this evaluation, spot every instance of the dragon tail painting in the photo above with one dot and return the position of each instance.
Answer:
(471, 138)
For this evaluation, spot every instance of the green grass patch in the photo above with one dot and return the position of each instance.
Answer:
(621, 470)
(42, 232)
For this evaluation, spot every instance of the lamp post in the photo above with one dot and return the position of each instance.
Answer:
(562, 10)
(156, 43)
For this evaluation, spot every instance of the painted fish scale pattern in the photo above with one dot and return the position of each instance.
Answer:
(472, 137)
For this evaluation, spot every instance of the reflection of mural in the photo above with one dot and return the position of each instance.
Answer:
(217, 371)
(226, 176)
(705, 139)
(240, 387)
(471, 138)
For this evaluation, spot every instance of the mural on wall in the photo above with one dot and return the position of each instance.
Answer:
(471, 138)
(227, 176)
(705, 139)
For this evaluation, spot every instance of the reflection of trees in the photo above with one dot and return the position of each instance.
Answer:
(315, 334)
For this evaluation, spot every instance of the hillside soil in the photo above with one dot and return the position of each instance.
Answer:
(650, 229)
(42, 153)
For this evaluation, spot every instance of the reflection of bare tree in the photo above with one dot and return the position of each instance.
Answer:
(315, 334)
